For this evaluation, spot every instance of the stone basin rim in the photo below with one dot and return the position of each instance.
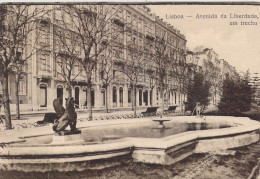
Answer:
(246, 126)
(239, 128)
(145, 150)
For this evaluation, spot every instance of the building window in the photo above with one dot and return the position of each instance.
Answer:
(58, 66)
(18, 56)
(114, 74)
(121, 96)
(128, 38)
(43, 64)
(140, 24)
(86, 96)
(144, 77)
(146, 98)
(102, 74)
(114, 95)
(77, 97)
(43, 95)
(76, 69)
(103, 97)
(140, 97)
(151, 97)
(22, 86)
(134, 40)
(93, 97)
(43, 32)
(129, 95)
(60, 93)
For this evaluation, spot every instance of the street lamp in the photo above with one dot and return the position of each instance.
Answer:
(255, 84)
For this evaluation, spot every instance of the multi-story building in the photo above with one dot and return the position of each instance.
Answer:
(42, 82)
(215, 70)
(255, 85)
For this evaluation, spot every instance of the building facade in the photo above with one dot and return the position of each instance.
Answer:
(214, 68)
(41, 82)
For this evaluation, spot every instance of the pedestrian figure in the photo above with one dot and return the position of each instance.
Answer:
(198, 108)
(1, 102)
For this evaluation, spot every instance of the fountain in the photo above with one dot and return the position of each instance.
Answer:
(161, 121)
(138, 140)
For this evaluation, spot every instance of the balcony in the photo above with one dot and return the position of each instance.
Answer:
(119, 22)
(44, 75)
(149, 37)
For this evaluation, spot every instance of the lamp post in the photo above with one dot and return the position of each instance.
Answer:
(255, 85)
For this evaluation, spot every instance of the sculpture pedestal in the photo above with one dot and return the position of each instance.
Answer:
(67, 137)
(161, 122)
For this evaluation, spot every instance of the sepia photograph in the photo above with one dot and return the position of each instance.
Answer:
(128, 90)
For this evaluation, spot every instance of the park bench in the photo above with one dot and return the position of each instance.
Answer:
(170, 109)
(48, 118)
(2, 118)
(150, 111)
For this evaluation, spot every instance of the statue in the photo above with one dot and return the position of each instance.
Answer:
(52, 116)
(66, 116)
(59, 109)
(199, 108)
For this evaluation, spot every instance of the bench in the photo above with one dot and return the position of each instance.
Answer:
(48, 118)
(170, 109)
(150, 111)
(2, 118)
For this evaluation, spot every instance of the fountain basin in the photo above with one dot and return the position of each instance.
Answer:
(164, 150)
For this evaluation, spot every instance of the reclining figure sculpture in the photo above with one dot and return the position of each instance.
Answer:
(66, 116)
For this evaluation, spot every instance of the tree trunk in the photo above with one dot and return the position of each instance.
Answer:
(17, 98)
(151, 97)
(181, 101)
(89, 99)
(6, 103)
(168, 98)
(69, 90)
(106, 102)
(162, 102)
(134, 100)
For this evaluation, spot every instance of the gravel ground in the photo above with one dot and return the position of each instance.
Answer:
(199, 166)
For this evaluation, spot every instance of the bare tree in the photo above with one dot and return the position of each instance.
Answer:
(161, 61)
(152, 80)
(106, 70)
(18, 25)
(180, 70)
(66, 54)
(216, 83)
(4, 65)
(96, 28)
(133, 67)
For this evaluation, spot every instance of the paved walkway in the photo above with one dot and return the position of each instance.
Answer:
(34, 117)
(26, 126)
(81, 110)
(16, 135)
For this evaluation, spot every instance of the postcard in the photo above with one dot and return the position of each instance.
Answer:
(129, 90)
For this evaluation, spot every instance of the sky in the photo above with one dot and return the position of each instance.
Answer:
(237, 44)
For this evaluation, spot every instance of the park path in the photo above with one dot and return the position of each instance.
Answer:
(26, 127)
(195, 168)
